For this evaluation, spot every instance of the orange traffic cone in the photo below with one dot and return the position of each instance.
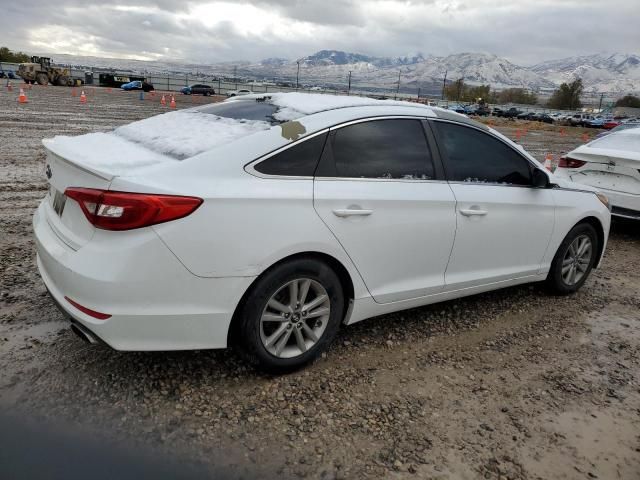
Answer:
(548, 159)
(163, 102)
(562, 132)
(83, 97)
(585, 137)
(22, 98)
(173, 102)
(518, 134)
(74, 92)
(9, 87)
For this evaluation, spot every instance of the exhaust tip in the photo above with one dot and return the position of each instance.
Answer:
(84, 334)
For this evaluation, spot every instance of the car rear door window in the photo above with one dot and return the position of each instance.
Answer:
(384, 149)
(299, 160)
(474, 156)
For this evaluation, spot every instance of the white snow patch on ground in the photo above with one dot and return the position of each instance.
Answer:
(185, 134)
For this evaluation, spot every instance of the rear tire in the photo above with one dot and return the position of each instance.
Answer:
(280, 340)
(42, 79)
(574, 260)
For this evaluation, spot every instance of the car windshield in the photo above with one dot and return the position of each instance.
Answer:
(244, 110)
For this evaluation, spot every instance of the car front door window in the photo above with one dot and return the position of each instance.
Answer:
(475, 156)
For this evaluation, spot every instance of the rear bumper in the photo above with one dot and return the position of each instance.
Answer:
(625, 205)
(155, 303)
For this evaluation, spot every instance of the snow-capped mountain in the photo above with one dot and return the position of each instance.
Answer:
(478, 69)
(415, 69)
(616, 73)
(599, 72)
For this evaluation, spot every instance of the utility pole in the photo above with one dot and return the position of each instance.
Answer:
(444, 83)
(235, 76)
(398, 87)
(460, 83)
(600, 105)
(297, 74)
(349, 89)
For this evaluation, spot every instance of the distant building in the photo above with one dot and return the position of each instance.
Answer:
(626, 112)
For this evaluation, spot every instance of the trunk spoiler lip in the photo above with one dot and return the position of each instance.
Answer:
(103, 175)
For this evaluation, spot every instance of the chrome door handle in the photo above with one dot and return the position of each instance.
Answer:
(469, 212)
(351, 212)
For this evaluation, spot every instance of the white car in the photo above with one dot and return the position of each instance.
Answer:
(237, 93)
(271, 221)
(611, 164)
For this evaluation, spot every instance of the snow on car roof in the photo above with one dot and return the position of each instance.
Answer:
(167, 137)
(624, 140)
(183, 134)
(294, 105)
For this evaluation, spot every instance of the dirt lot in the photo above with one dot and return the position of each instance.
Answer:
(514, 384)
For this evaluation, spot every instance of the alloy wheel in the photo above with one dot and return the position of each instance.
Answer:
(295, 318)
(577, 259)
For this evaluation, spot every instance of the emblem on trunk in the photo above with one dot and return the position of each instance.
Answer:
(48, 171)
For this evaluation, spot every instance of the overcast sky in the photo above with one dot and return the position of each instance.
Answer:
(524, 31)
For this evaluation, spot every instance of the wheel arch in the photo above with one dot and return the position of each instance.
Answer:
(336, 265)
(597, 225)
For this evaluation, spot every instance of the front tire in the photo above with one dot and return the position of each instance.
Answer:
(291, 315)
(574, 260)
(42, 79)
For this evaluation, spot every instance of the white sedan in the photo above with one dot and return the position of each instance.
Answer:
(270, 222)
(236, 93)
(611, 164)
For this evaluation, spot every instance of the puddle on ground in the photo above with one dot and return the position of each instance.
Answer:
(597, 444)
(615, 321)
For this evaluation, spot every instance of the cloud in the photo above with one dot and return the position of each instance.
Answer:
(210, 31)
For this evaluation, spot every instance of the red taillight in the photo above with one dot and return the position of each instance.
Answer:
(88, 311)
(568, 162)
(126, 211)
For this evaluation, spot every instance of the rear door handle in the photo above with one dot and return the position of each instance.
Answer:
(469, 212)
(351, 212)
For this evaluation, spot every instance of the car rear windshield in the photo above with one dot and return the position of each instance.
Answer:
(244, 110)
(619, 141)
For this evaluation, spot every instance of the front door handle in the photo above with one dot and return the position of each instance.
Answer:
(351, 212)
(469, 212)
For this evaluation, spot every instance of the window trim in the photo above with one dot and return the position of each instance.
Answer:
(250, 167)
(444, 158)
(327, 160)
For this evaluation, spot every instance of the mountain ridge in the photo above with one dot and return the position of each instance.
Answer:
(600, 72)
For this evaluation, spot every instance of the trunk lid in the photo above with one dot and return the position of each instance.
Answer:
(63, 214)
(89, 161)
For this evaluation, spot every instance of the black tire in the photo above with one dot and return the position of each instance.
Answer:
(555, 281)
(42, 79)
(248, 333)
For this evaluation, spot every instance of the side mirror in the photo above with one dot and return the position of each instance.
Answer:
(539, 179)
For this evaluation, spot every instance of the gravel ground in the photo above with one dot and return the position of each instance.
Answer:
(514, 384)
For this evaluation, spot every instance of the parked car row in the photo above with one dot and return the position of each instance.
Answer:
(579, 119)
